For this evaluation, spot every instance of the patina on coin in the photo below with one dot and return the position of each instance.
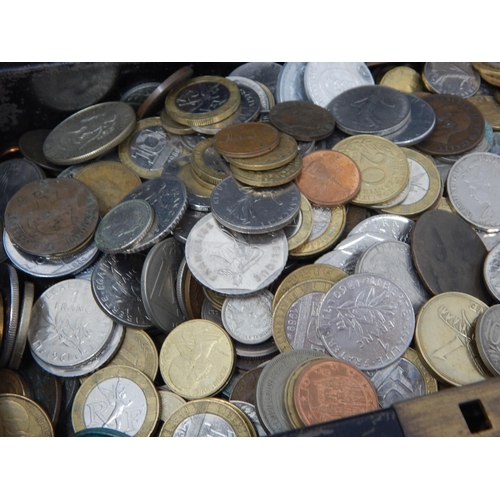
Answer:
(197, 359)
(22, 417)
(52, 217)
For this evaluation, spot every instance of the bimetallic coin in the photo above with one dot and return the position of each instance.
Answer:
(174, 127)
(400, 228)
(299, 230)
(208, 163)
(22, 417)
(487, 334)
(367, 320)
(457, 78)
(491, 271)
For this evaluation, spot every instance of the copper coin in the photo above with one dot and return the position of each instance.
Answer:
(328, 178)
(244, 389)
(303, 120)
(158, 95)
(449, 255)
(246, 140)
(51, 216)
(328, 389)
(459, 125)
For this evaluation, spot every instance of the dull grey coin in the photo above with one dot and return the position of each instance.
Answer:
(488, 338)
(9, 288)
(290, 84)
(211, 313)
(188, 221)
(263, 72)
(398, 227)
(253, 210)
(138, 94)
(31, 147)
(264, 100)
(491, 271)
(158, 284)
(458, 78)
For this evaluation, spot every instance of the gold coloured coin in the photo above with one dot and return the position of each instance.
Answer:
(243, 415)
(385, 171)
(490, 109)
(200, 167)
(193, 296)
(11, 382)
(269, 94)
(444, 337)
(445, 205)
(169, 403)
(197, 359)
(299, 237)
(206, 417)
(172, 126)
(215, 298)
(289, 397)
(203, 100)
(22, 417)
(117, 397)
(404, 79)
(192, 182)
(430, 383)
(23, 327)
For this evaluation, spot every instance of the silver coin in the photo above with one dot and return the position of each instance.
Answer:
(269, 394)
(262, 350)
(392, 259)
(346, 254)
(67, 327)
(263, 72)
(158, 284)
(138, 94)
(249, 319)
(167, 196)
(488, 338)
(473, 190)
(326, 80)
(457, 78)
(72, 171)
(420, 125)
(366, 320)
(234, 263)
(290, 84)
(443, 169)
(191, 140)
(116, 286)
(491, 271)
(9, 288)
(211, 313)
(370, 109)
(251, 413)
(43, 267)
(124, 226)
(179, 287)
(495, 144)
(86, 274)
(305, 147)
(398, 227)
(490, 240)
(188, 221)
(204, 425)
(242, 80)
(253, 210)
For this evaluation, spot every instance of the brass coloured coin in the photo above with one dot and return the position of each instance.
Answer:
(22, 417)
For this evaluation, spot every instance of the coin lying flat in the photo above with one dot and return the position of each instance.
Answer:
(290, 84)
(22, 417)
(487, 338)
(402, 78)
(400, 228)
(457, 78)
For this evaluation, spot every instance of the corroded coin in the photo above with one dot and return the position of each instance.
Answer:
(197, 359)
(22, 417)
(89, 133)
(328, 178)
(120, 398)
(52, 217)
(457, 78)
(459, 125)
(304, 121)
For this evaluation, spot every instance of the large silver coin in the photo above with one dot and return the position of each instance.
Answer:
(491, 271)
(488, 338)
(188, 221)
(233, 263)
(393, 260)
(490, 240)
(473, 190)
(370, 109)
(262, 72)
(366, 320)
(252, 210)
(326, 80)
(243, 80)
(158, 284)
(290, 85)
(457, 78)
(398, 227)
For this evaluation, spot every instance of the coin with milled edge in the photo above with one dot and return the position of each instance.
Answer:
(487, 334)
(174, 127)
(299, 230)
(457, 78)
(256, 87)
(138, 94)
(198, 194)
(22, 417)
(262, 72)
(206, 161)
(491, 271)
(9, 288)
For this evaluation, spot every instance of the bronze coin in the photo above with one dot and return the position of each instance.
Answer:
(244, 389)
(246, 140)
(459, 126)
(51, 216)
(303, 120)
(328, 178)
(328, 389)
(449, 255)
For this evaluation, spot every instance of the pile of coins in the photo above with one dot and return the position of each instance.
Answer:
(284, 246)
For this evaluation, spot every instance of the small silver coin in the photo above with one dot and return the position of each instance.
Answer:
(264, 349)
(490, 240)
(370, 109)
(398, 227)
(290, 84)
(491, 271)
(487, 335)
(253, 210)
(124, 226)
(9, 288)
(191, 140)
(457, 78)
(251, 413)
(263, 72)
(366, 320)
(242, 80)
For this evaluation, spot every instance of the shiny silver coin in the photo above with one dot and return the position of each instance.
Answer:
(168, 197)
(138, 94)
(420, 125)
(116, 286)
(487, 335)
(370, 109)
(366, 320)
(233, 263)
(179, 287)
(124, 226)
(72, 171)
(253, 210)
(158, 284)
(242, 80)
(290, 84)
(188, 221)
(263, 72)
(490, 240)
(191, 140)
(251, 413)
(392, 259)
(457, 78)
(9, 288)
(305, 147)
(491, 271)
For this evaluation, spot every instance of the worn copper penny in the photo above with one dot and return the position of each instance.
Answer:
(244, 389)
(51, 216)
(449, 255)
(303, 120)
(328, 178)
(246, 140)
(328, 389)
(459, 125)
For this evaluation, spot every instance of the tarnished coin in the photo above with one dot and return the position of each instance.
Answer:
(124, 226)
(366, 319)
(491, 271)
(290, 84)
(138, 94)
(262, 72)
(244, 389)
(89, 133)
(197, 359)
(52, 217)
(403, 78)
(400, 228)
(328, 178)
(119, 398)
(487, 335)
(31, 146)
(116, 287)
(22, 417)
(9, 291)
(304, 121)
(449, 255)
(444, 337)
(198, 194)
(234, 263)
(169, 402)
(459, 125)
(457, 78)
(490, 109)
(109, 181)
(12, 382)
